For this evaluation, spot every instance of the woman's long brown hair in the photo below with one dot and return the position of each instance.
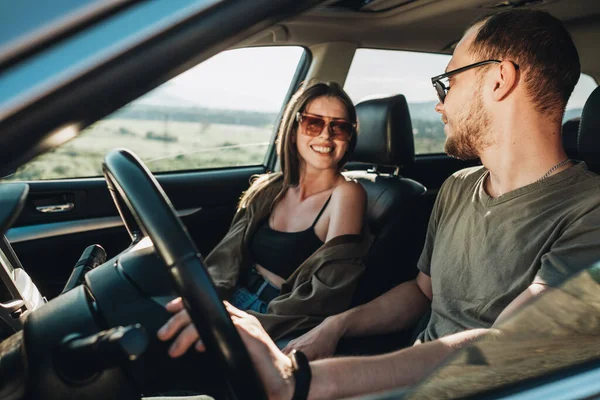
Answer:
(289, 159)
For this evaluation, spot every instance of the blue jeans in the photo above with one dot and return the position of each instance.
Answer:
(243, 299)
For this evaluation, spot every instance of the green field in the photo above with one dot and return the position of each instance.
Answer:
(174, 146)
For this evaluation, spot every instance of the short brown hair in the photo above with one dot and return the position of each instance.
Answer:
(540, 45)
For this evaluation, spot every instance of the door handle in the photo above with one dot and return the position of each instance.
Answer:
(56, 208)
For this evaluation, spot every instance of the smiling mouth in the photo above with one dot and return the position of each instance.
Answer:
(322, 149)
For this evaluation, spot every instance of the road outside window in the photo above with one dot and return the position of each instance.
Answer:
(219, 114)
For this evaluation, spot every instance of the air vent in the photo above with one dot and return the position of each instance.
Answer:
(506, 4)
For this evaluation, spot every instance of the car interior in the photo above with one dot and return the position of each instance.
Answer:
(84, 255)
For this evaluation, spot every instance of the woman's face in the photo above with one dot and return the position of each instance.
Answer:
(323, 151)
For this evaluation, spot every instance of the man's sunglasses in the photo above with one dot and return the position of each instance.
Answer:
(312, 125)
(442, 89)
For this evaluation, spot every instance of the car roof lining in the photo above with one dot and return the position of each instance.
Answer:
(427, 26)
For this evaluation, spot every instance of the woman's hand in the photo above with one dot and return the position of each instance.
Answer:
(319, 342)
(274, 367)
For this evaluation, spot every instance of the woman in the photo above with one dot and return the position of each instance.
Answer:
(293, 253)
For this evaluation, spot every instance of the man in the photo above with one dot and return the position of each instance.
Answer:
(498, 235)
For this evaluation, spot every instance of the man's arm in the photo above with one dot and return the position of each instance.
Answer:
(533, 290)
(352, 376)
(341, 377)
(397, 309)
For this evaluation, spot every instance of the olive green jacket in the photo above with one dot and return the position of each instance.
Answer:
(322, 286)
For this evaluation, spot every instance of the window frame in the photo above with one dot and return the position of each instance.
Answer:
(271, 158)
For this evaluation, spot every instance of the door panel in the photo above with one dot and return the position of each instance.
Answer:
(50, 243)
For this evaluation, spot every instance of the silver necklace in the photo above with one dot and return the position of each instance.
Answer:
(547, 174)
(551, 170)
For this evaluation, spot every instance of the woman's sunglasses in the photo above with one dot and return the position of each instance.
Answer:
(312, 125)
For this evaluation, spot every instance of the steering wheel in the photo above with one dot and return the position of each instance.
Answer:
(134, 187)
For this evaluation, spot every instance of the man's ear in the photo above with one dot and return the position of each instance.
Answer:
(505, 80)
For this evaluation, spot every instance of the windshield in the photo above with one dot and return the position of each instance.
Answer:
(31, 20)
(558, 330)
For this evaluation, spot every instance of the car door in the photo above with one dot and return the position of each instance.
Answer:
(204, 132)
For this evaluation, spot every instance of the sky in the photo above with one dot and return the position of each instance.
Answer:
(254, 79)
(258, 79)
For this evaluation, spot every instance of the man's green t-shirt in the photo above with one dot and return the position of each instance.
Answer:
(482, 252)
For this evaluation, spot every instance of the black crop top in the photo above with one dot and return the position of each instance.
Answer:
(283, 252)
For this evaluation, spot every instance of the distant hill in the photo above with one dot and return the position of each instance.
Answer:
(155, 112)
(419, 112)
(149, 112)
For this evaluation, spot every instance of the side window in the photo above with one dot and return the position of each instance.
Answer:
(585, 86)
(380, 73)
(220, 113)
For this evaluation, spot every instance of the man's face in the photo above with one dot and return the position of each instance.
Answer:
(466, 119)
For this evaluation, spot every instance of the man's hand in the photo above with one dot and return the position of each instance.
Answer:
(319, 342)
(181, 324)
(274, 367)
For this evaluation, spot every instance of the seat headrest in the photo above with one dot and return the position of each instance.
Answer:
(588, 140)
(385, 132)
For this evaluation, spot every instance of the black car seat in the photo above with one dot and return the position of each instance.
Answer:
(386, 140)
(588, 138)
(570, 131)
(385, 145)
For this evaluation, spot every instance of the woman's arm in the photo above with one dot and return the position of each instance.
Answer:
(348, 205)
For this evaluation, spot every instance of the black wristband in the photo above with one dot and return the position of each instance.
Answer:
(302, 375)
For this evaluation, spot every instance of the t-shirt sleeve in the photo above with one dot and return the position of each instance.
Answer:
(576, 249)
(424, 263)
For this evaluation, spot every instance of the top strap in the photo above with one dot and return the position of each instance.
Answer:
(321, 212)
